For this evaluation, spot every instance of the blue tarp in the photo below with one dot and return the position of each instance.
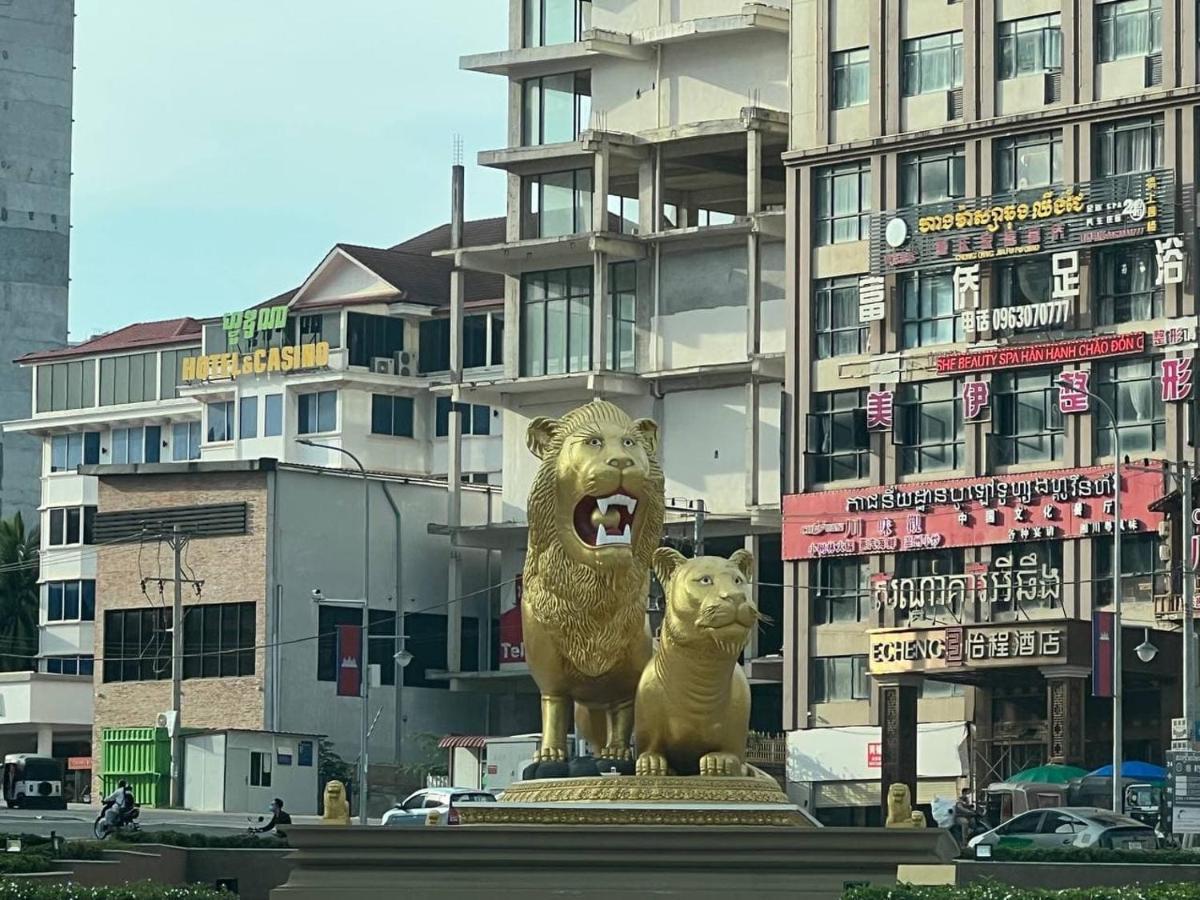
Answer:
(1134, 769)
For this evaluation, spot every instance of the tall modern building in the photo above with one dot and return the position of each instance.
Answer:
(985, 197)
(643, 263)
(36, 62)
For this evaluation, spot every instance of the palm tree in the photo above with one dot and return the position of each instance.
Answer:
(18, 595)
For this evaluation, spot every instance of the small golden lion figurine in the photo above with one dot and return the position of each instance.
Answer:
(337, 810)
(693, 702)
(900, 811)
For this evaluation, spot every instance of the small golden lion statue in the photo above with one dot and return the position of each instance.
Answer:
(900, 811)
(693, 701)
(595, 519)
(337, 810)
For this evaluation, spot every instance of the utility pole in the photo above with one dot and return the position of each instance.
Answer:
(698, 528)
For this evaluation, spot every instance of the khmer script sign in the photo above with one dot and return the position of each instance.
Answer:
(1015, 581)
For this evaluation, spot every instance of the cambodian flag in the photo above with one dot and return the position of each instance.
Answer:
(350, 660)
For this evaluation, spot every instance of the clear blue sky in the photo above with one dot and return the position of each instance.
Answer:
(222, 147)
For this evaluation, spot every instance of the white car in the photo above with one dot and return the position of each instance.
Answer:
(1070, 826)
(433, 806)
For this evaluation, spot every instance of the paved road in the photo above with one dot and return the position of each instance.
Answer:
(76, 821)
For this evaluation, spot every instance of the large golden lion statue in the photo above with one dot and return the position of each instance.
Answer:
(595, 519)
(693, 701)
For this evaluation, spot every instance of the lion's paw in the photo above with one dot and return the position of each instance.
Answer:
(615, 751)
(720, 764)
(551, 754)
(652, 764)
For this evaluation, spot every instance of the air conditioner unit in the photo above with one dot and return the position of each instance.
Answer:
(1154, 69)
(954, 103)
(403, 363)
(1052, 86)
(381, 365)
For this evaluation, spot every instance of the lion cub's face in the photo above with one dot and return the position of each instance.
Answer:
(708, 600)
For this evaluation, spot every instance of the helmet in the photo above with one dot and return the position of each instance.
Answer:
(122, 783)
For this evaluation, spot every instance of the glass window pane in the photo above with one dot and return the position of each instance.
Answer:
(327, 411)
(248, 414)
(273, 415)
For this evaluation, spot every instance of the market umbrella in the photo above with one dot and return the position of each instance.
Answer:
(1049, 774)
(1134, 769)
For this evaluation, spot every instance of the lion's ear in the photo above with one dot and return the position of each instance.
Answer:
(648, 429)
(744, 560)
(666, 561)
(540, 436)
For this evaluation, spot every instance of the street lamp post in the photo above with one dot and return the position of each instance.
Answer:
(1118, 730)
(366, 604)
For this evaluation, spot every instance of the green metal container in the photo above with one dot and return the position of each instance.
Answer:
(148, 790)
(141, 756)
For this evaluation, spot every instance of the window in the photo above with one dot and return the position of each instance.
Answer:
(1128, 147)
(921, 563)
(1022, 283)
(69, 451)
(933, 63)
(840, 590)
(71, 601)
(929, 428)
(1124, 285)
(835, 319)
(1142, 575)
(1131, 389)
(1028, 161)
(218, 640)
(434, 349)
(939, 690)
(381, 644)
(371, 337)
(556, 321)
(71, 525)
(557, 203)
(555, 108)
(185, 441)
(851, 78)
(272, 415)
(67, 665)
(482, 338)
(248, 417)
(1029, 46)
(555, 21)
(927, 310)
(313, 329)
(391, 415)
(932, 176)
(129, 379)
(136, 445)
(476, 419)
(1026, 423)
(220, 422)
(260, 768)
(624, 214)
(622, 291)
(839, 678)
(171, 370)
(66, 385)
(317, 412)
(838, 442)
(475, 341)
(137, 644)
(1126, 28)
(843, 202)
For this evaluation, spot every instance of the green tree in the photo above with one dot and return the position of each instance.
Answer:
(18, 595)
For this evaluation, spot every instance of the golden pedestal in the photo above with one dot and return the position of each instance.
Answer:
(640, 800)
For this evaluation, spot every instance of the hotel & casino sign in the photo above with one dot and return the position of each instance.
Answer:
(1020, 223)
(967, 512)
(985, 646)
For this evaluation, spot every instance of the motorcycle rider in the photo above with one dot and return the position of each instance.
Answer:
(118, 805)
(278, 817)
(965, 815)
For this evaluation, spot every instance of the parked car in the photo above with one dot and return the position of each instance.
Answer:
(433, 806)
(1070, 826)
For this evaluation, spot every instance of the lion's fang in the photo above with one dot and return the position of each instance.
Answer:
(603, 503)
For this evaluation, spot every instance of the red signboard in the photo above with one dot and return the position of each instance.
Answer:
(874, 754)
(79, 763)
(967, 512)
(512, 648)
(1102, 653)
(350, 660)
(1054, 353)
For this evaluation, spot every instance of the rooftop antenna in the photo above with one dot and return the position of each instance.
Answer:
(457, 149)
(458, 177)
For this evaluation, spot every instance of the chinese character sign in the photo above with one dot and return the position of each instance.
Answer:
(1169, 254)
(880, 410)
(871, 299)
(1065, 269)
(975, 396)
(1176, 378)
(1073, 399)
(966, 287)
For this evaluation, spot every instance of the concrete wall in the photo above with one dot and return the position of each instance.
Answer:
(36, 54)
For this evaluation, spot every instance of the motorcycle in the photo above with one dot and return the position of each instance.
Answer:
(127, 822)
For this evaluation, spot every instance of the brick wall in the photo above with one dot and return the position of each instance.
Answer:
(233, 569)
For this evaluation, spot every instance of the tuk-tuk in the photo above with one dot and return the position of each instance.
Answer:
(33, 781)
(1005, 799)
(1141, 797)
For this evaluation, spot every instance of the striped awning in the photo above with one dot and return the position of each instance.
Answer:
(475, 741)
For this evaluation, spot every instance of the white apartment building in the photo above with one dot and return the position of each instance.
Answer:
(643, 262)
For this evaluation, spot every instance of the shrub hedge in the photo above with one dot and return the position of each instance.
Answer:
(991, 890)
(1095, 855)
(215, 841)
(27, 890)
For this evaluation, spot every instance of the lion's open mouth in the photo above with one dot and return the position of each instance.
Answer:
(603, 521)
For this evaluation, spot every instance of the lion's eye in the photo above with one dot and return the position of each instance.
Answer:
(595, 442)
(737, 580)
(705, 579)
(628, 442)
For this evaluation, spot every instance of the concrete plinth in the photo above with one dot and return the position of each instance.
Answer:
(598, 862)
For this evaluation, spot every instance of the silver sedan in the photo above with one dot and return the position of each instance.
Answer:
(1070, 826)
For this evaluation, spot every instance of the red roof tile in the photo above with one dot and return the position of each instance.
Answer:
(131, 337)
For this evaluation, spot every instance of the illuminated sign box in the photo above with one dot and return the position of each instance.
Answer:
(955, 647)
(263, 361)
(967, 512)
(1054, 353)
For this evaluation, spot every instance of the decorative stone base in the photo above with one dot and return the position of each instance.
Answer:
(639, 800)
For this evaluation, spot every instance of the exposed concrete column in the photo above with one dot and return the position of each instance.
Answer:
(647, 219)
(600, 169)
(601, 312)
(753, 171)
(753, 441)
(753, 247)
(454, 614)
(457, 275)
(753, 544)
(45, 740)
